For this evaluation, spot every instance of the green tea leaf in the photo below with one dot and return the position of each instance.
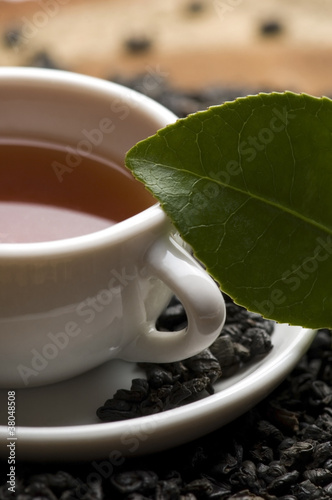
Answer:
(248, 185)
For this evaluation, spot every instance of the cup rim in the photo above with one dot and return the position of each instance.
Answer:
(146, 219)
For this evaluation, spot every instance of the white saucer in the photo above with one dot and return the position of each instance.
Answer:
(58, 422)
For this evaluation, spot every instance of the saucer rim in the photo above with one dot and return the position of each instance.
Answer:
(156, 433)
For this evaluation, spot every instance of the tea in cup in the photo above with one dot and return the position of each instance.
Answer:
(88, 259)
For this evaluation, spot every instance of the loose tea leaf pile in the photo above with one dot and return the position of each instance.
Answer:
(279, 450)
(244, 337)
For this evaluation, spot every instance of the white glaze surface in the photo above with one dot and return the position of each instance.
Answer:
(69, 305)
(59, 422)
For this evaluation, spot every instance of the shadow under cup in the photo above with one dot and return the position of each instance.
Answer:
(69, 304)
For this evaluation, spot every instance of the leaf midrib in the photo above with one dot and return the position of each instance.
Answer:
(286, 209)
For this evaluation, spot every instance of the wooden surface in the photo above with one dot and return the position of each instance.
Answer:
(192, 43)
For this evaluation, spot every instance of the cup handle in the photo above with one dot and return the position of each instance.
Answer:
(198, 293)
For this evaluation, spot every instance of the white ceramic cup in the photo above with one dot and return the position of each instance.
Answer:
(67, 306)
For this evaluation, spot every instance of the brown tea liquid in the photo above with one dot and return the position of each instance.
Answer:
(37, 204)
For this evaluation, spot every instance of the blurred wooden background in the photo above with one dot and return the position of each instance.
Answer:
(270, 45)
